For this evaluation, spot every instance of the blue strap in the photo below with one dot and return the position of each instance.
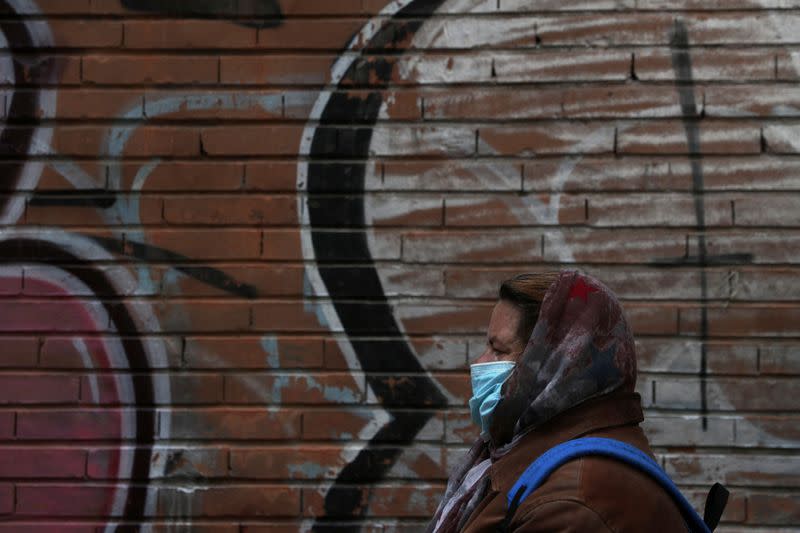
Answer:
(541, 468)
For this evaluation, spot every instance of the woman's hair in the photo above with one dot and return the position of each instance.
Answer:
(526, 291)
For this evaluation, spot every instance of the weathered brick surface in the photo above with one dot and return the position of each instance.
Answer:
(249, 249)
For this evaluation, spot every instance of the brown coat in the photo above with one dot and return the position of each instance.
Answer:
(586, 494)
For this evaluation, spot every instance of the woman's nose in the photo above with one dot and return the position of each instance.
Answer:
(485, 357)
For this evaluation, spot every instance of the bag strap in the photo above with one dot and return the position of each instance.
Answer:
(553, 458)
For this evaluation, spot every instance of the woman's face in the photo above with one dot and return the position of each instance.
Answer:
(502, 342)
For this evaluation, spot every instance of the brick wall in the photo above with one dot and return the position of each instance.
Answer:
(248, 248)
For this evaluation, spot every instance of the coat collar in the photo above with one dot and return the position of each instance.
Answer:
(616, 408)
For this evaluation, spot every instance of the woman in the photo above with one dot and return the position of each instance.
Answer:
(559, 364)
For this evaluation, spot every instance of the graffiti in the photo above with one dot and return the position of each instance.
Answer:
(17, 69)
(374, 460)
(399, 224)
(254, 13)
(682, 65)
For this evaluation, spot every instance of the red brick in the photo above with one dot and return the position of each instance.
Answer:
(85, 33)
(84, 103)
(657, 209)
(261, 210)
(429, 68)
(7, 423)
(439, 319)
(200, 244)
(626, 101)
(195, 176)
(756, 320)
(6, 499)
(471, 246)
(61, 352)
(19, 352)
(52, 179)
(752, 394)
(782, 138)
(607, 175)
(214, 105)
(767, 210)
(253, 352)
(775, 245)
(401, 209)
(183, 389)
(241, 501)
(743, 26)
(524, 6)
(310, 34)
(716, 64)
(42, 463)
(556, 138)
(562, 65)
(38, 388)
(753, 284)
(282, 245)
(149, 212)
(149, 141)
(277, 69)
(786, 65)
(325, 462)
(271, 176)
(174, 462)
(593, 246)
(671, 137)
(161, 69)
(282, 463)
(35, 69)
(74, 424)
(194, 315)
(451, 175)
(54, 7)
(733, 470)
(292, 8)
(648, 319)
(187, 34)
(512, 210)
(63, 500)
(417, 141)
(230, 423)
(283, 389)
(294, 316)
(382, 501)
(252, 280)
(779, 359)
(773, 509)
(778, 431)
(146, 141)
(251, 140)
(605, 30)
(735, 509)
(491, 103)
(49, 527)
(752, 100)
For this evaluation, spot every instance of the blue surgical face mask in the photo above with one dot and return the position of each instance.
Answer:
(487, 380)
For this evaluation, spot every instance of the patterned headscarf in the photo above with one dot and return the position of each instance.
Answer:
(580, 348)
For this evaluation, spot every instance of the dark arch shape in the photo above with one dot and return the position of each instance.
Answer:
(344, 499)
